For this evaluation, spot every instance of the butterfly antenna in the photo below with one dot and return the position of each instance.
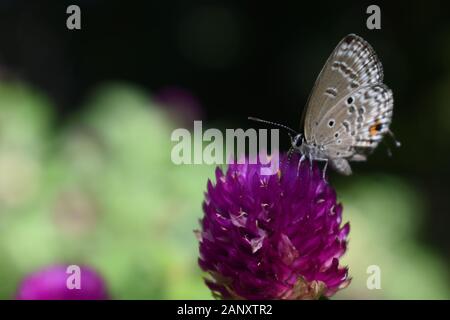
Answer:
(397, 143)
(289, 154)
(274, 124)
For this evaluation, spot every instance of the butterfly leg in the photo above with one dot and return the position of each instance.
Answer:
(324, 172)
(325, 169)
(302, 158)
(310, 163)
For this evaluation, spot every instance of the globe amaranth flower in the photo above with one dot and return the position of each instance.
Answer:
(50, 283)
(272, 237)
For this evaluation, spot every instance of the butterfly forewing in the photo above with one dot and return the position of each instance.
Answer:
(352, 65)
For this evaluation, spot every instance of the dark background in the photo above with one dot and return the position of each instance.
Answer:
(244, 58)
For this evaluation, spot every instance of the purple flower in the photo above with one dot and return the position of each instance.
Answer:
(272, 237)
(51, 284)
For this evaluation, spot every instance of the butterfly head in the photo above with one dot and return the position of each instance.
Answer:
(297, 141)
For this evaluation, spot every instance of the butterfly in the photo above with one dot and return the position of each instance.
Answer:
(348, 111)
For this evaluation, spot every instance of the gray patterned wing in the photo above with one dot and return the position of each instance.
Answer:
(352, 65)
(356, 124)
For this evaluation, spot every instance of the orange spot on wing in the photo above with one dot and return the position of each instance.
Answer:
(375, 128)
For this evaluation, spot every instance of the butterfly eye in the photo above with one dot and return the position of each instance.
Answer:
(297, 141)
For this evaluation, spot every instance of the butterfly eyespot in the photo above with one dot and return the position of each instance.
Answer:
(351, 109)
(350, 100)
(338, 153)
(375, 128)
(346, 125)
(354, 85)
(336, 134)
(332, 92)
(339, 141)
(331, 123)
(361, 110)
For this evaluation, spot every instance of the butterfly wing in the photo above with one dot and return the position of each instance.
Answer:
(352, 65)
(341, 165)
(356, 124)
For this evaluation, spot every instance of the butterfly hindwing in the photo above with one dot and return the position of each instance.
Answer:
(356, 124)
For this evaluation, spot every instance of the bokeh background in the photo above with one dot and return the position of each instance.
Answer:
(86, 118)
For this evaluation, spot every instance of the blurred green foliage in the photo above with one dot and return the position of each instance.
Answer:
(385, 214)
(102, 191)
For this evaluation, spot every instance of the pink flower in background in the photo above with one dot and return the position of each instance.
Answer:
(181, 104)
(51, 284)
